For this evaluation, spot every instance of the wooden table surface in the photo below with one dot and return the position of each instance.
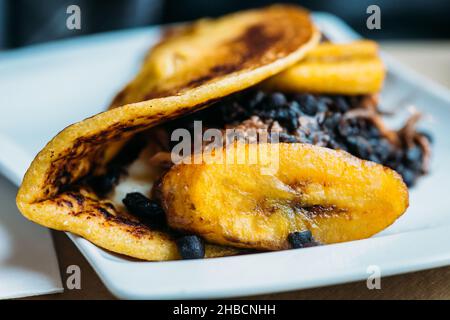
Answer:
(429, 58)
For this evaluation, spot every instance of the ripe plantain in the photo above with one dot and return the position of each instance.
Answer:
(336, 196)
(353, 68)
(328, 51)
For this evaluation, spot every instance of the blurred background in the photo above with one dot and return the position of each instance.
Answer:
(415, 32)
(25, 22)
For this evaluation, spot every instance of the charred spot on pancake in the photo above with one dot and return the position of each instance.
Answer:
(249, 46)
(68, 203)
(255, 41)
(104, 212)
(78, 197)
(222, 69)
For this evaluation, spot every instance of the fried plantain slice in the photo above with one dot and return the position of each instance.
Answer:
(336, 196)
(256, 45)
(327, 51)
(350, 69)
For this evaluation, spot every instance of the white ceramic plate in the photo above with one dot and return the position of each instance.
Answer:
(44, 88)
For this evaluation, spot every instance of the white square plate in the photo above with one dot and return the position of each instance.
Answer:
(45, 88)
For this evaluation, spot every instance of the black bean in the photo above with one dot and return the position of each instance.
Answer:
(295, 107)
(322, 105)
(272, 101)
(381, 148)
(359, 146)
(300, 239)
(283, 114)
(191, 247)
(103, 184)
(148, 211)
(332, 121)
(395, 158)
(413, 155)
(291, 121)
(373, 132)
(307, 103)
(341, 104)
(278, 99)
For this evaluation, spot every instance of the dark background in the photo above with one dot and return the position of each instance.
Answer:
(24, 22)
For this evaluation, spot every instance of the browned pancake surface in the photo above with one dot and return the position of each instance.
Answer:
(188, 70)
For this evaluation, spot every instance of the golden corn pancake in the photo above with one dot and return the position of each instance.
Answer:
(187, 71)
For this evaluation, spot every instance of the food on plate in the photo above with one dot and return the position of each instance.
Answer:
(335, 196)
(349, 69)
(116, 180)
